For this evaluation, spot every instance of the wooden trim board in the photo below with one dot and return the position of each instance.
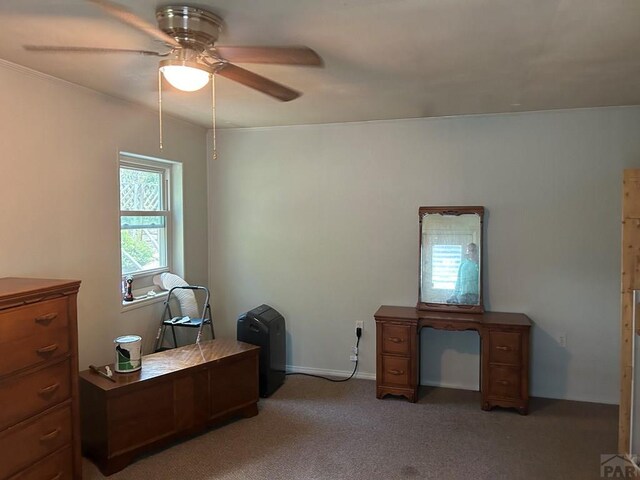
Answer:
(630, 281)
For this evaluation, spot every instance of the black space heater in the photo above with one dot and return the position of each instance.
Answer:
(264, 326)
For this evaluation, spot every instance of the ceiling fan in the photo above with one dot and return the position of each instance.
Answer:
(189, 34)
(192, 58)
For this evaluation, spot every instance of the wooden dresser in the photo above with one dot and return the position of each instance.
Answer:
(39, 413)
(504, 352)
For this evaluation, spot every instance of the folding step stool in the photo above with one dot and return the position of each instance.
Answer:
(168, 320)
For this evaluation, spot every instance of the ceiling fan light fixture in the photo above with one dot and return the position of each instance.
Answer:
(185, 76)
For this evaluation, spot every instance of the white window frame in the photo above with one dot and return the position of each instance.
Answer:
(171, 203)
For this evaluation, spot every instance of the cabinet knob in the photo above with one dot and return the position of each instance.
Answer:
(50, 436)
(395, 339)
(46, 318)
(394, 371)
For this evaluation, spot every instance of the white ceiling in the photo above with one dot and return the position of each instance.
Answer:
(383, 59)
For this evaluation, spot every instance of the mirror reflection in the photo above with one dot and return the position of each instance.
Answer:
(450, 258)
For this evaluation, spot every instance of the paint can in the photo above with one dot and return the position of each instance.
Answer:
(128, 353)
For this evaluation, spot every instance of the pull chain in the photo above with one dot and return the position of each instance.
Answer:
(213, 116)
(160, 104)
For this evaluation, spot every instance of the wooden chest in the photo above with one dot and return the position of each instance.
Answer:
(177, 393)
(39, 418)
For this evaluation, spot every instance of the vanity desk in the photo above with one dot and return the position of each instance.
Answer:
(504, 352)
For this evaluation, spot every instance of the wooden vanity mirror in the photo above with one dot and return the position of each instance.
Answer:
(451, 259)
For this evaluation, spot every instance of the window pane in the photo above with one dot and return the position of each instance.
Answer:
(446, 261)
(140, 222)
(143, 249)
(140, 190)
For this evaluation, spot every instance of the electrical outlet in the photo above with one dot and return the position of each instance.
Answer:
(354, 358)
(360, 325)
(562, 340)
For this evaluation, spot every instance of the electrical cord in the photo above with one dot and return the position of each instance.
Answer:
(355, 368)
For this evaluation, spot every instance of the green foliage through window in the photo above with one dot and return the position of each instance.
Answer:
(136, 252)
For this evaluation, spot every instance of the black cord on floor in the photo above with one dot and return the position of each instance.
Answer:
(355, 368)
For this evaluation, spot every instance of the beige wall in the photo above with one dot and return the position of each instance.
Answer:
(59, 196)
(321, 222)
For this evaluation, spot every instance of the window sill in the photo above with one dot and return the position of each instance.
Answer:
(144, 300)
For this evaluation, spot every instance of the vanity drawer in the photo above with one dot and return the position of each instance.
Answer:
(26, 443)
(26, 395)
(395, 371)
(504, 382)
(58, 466)
(396, 339)
(505, 347)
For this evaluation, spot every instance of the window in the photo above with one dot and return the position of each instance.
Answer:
(446, 261)
(150, 236)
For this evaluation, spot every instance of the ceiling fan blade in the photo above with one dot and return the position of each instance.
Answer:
(127, 16)
(258, 82)
(56, 49)
(276, 55)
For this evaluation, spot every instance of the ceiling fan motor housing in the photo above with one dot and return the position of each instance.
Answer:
(192, 27)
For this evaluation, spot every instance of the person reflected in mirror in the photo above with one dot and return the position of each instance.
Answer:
(466, 289)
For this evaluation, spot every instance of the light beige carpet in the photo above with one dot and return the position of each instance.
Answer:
(313, 429)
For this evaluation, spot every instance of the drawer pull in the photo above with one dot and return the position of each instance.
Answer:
(503, 348)
(50, 436)
(46, 318)
(504, 382)
(393, 371)
(48, 349)
(48, 390)
(395, 339)
(58, 476)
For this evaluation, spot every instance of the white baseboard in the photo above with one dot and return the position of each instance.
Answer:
(459, 386)
(371, 376)
(331, 373)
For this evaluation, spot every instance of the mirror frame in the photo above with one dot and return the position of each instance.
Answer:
(451, 307)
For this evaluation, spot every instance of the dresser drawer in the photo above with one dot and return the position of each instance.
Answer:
(23, 396)
(505, 347)
(33, 334)
(504, 381)
(31, 351)
(30, 320)
(395, 371)
(28, 442)
(58, 466)
(396, 339)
